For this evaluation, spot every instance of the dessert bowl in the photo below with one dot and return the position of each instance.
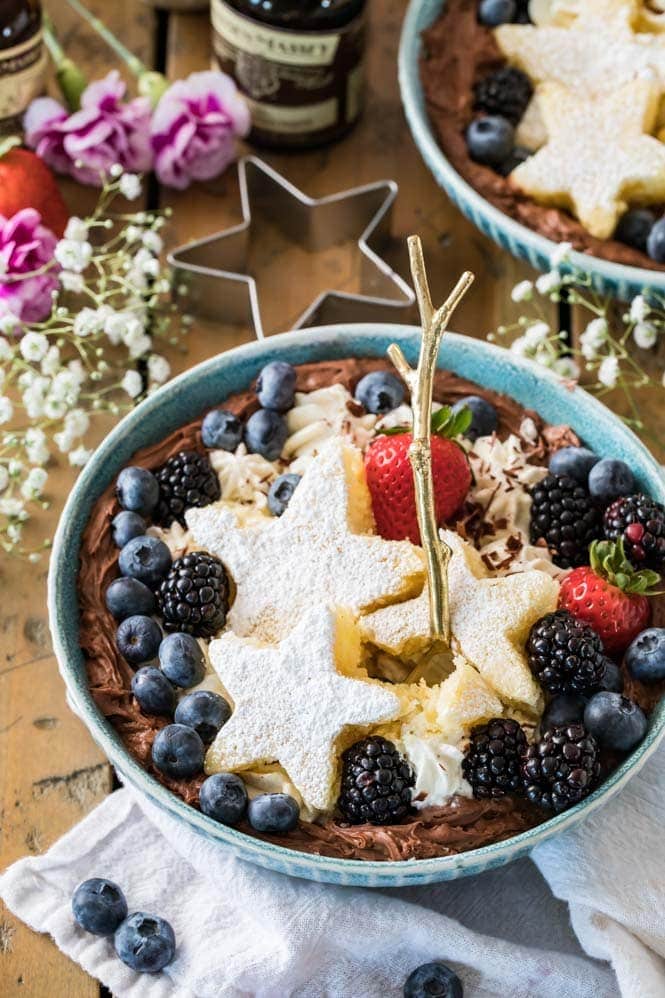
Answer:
(208, 384)
(618, 279)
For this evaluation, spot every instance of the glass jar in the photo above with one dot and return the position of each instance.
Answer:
(22, 60)
(299, 63)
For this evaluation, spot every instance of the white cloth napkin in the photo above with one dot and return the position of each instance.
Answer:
(244, 931)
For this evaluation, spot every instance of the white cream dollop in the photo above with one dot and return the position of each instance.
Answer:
(438, 769)
(316, 417)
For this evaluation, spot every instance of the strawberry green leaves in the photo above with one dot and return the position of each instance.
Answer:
(608, 560)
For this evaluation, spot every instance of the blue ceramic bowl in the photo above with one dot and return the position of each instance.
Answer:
(209, 384)
(611, 278)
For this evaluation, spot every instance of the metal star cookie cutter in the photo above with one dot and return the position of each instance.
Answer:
(212, 272)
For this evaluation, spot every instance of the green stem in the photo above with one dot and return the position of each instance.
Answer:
(71, 80)
(150, 83)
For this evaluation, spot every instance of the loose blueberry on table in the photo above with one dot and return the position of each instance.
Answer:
(592, 655)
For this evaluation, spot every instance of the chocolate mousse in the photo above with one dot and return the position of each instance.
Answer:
(458, 52)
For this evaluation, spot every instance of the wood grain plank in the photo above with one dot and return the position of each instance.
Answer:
(379, 147)
(51, 772)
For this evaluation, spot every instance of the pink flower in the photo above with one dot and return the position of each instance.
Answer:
(26, 246)
(106, 130)
(194, 128)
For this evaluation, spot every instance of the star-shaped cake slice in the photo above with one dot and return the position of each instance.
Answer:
(490, 622)
(598, 155)
(291, 704)
(321, 552)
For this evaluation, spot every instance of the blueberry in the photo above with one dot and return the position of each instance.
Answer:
(280, 492)
(125, 597)
(125, 526)
(146, 943)
(484, 418)
(609, 479)
(204, 711)
(612, 677)
(634, 228)
(490, 140)
(224, 798)
(182, 660)
(433, 979)
(495, 12)
(615, 721)
(221, 430)
(380, 392)
(273, 813)
(645, 658)
(153, 691)
(568, 708)
(177, 751)
(656, 242)
(137, 489)
(573, 462)
(265, 434)
(146, 559)
(276, 386)
(518, 155)
(138, 639)
(99, 906)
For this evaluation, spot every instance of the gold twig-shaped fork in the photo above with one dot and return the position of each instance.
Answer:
(421, 384)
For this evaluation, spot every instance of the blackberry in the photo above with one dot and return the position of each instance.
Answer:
(185, 480)
(376, 783)
(562, 768)
(492, 761)
(507, 91)
(641, 522)
(565, 654)
(564, 516)
(194, 596)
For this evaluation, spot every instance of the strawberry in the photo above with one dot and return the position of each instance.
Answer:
(390, 476)
(610, 595)
(27, 182)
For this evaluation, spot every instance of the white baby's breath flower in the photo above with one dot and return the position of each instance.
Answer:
(63, 441)
(536, 333)
(522, 291)
(116, 170)
(645, 335)
(9, 324)
(4, 478)
(639, 308)
(566, 368)
(77, 371)
(87, 322)
(6, 409)
(14, 531)
(77, 422)
(34, 483)
(33, 346)
(5, 349)
(130, 186)
(79, 457)
(54, 408)
(608, 371)
(138, 346)
(77, 230)
(159, 369)
(71, 282)
(11, 507)
(36, 445)
(132, 384)
(73, 255)
(15, 467)
(549, 282)
(560, 255)
(133, 233)
(594, 337)
(520, 346)
(153, 242)
(65, 387)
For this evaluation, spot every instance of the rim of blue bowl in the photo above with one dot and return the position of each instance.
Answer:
(618, 278)
(320, 343)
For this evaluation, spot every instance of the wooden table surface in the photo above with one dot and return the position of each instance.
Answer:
(51, 773)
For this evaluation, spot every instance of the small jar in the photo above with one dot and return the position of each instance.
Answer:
(22, 60)
(299, 63)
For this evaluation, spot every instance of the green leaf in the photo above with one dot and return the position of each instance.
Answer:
(446, 423)
(608, 560)
(393, 431)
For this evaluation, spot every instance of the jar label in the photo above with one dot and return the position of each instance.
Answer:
(288, 47)
(22, 72)
(294, 120)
